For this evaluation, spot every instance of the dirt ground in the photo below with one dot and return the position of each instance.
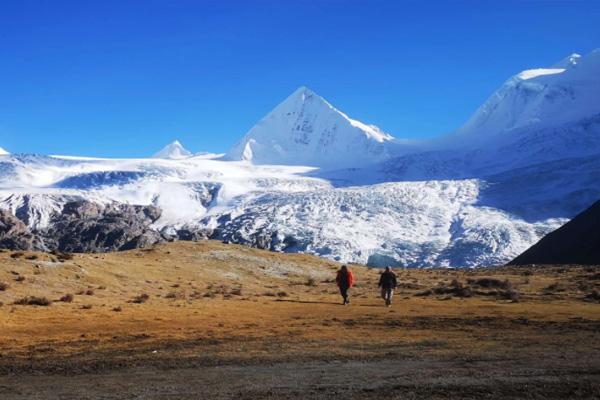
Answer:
(209, 320)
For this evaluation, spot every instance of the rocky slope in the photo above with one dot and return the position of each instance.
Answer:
(83, 226)
(576, 242)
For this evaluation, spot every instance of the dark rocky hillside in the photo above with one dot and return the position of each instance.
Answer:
(576, 242)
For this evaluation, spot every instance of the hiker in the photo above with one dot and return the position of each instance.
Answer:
(344, 280)
(387, 283)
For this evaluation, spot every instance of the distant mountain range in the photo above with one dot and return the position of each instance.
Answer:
(308, 178)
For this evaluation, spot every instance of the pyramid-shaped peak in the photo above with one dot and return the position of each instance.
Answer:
(303, 91)
(305, 129)
(173, 151)
(303, 95)
(3, 152)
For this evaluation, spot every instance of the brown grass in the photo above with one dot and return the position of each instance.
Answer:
(251, 304)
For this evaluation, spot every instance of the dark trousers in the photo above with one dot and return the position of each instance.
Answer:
(387, 294)
(344, 293)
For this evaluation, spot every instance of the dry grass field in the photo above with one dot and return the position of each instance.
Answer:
(209, 320)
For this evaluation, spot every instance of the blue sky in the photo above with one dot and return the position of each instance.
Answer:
(123, 78)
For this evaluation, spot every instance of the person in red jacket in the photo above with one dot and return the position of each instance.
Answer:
(344, 280)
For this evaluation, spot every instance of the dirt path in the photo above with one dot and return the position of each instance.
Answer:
(401, 379)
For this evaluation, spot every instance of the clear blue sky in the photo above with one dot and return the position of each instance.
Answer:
(123, 78)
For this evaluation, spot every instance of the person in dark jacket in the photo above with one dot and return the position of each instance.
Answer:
(387, 283)
(344, 280)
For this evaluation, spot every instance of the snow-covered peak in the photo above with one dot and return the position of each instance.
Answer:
(536, 99)
(305, 129)
(173, 151)
(3, 152)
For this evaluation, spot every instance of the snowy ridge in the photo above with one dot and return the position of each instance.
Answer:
(3, 152)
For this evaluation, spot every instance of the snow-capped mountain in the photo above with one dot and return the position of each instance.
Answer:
(3, 152)
(539, 115)
(307, 178)
(173, 151)
(536, 99)
(306, 130)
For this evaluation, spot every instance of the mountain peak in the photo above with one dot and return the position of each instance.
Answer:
(305, 129)
(173, 151)
(3, 152)
(303, 91)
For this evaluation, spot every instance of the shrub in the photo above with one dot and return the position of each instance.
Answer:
(4, 286)
(455, 288)
(594, 296)
(89, 292)
(555, 287)
(139, 299)
(67, 298)
(33, 301)
(509, 294)
(86, 307)
(311, 282)
(490, 283)
(282, 294)
(17, 254)
(62, 256)
(20, 278)
(117, 309)
(424, 293)
(594, 277)
(236, 291)
(32, 257)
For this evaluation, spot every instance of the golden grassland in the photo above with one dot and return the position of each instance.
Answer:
(203, 304)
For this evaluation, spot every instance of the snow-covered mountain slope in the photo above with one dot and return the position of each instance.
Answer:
(535, 100)
(3, 152)
(173, 151)
(526, 162)
(537, 116)
(403, 223)
(281, 208)
(306, 130)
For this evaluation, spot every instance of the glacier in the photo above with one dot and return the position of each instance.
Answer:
(308, 178)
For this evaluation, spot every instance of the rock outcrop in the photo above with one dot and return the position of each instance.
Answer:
(84, 226)
(15, 235)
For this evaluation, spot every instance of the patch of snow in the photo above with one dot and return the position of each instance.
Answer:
(534, 73)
